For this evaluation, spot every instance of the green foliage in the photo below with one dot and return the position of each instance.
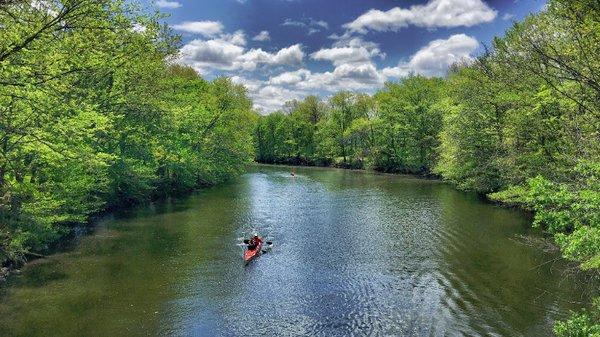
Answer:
(394, 131)
(581, 324)
(409, 122)
(92, 115)
(570, 211)
(519, 124)
(534, 142)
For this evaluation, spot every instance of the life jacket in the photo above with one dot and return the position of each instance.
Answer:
(254, 242)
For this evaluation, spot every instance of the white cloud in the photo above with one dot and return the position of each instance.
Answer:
(206, 28)
(204, 55)
(262, 36)
(362, 75)
(252, 85)
(344, 77)
(290, 55)
(431, 60)
(270, 95)
(228, 53)
(289, 78)
(396, 72)
(351, 56)
(342, 55)
(435, 58)
(507, 16)
(168, 4)
(313, 26)
(271, 98)
(237, 38)
(265, 96)
(436, 13)
(349, 50)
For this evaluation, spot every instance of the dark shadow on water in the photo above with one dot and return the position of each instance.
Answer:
(42, 275)
(37, 275)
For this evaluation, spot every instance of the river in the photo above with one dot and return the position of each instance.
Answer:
(355, 254)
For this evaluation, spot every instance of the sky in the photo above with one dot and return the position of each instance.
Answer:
(287, 49)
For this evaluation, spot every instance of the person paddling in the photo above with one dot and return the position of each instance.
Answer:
(255, 241)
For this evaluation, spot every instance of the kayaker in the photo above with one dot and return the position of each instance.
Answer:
(255, 241)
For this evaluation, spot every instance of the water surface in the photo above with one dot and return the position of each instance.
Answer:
(356, 254)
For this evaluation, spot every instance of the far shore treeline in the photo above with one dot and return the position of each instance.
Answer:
(95, 114)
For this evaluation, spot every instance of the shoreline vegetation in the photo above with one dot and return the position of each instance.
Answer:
(95, 114)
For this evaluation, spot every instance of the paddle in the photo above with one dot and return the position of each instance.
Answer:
(246, 241)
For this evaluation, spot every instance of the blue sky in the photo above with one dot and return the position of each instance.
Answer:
(287, 49)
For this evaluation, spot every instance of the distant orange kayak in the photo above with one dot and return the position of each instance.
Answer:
(249, 254)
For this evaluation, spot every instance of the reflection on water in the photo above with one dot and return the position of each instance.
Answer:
(355, 254)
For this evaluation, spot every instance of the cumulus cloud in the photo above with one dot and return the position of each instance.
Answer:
(262, 36)
(203, 55)
(270, 95)
(270, 98)
(351, 56)
(266, 96)
(290, 77)
(436, 13)
(226, 53)
(168, 4)
(252, 85)
(435, 58)
(342, 55)
(237, 38)
(349, 50)
(431, 60)
(344, 77)
(363, 75)
(205, 28)
(290, 55)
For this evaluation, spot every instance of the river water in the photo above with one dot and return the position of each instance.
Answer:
(355, 254)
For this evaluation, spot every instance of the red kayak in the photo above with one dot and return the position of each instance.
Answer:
(249, 254)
